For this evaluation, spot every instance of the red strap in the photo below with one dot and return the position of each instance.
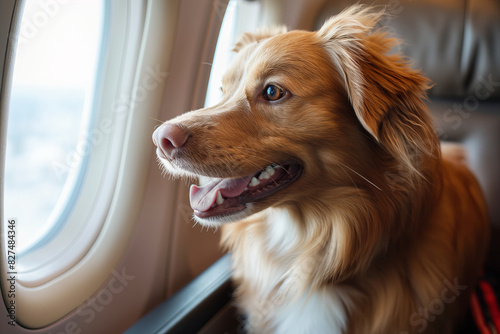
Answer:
(477, 314)
(491, 300)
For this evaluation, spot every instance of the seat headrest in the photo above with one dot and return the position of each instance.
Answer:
(454, 43)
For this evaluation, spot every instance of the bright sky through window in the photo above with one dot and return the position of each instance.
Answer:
(54, 79)
(223, 55)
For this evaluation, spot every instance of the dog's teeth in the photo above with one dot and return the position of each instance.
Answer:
(219, 199)
(275, 166)
(254, 182)
(264, 176)
(270, 170)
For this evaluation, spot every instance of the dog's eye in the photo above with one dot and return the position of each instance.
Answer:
(273, 93)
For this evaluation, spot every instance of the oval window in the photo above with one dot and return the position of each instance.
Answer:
(50, 110)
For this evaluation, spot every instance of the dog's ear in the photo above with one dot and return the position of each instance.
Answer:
(385, 93)
(261, 34)
(374, 81)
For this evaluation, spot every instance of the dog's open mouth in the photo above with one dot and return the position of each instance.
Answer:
(223, 197)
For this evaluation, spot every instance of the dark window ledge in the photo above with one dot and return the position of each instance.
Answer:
(192, 307)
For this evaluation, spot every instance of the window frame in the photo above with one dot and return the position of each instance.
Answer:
(136, 55)
(8, 29)
(64, 243)
(64, 204)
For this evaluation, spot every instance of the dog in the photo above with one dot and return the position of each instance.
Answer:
(322, 168)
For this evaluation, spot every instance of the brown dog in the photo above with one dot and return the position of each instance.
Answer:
(349, 219)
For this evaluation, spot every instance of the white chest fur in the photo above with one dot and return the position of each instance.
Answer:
(272, 297)
(320, 311)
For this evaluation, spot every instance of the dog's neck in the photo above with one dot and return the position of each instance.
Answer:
(282, 231)
(321, 248)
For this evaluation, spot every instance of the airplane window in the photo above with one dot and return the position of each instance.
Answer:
(239, 17)
(48, 140)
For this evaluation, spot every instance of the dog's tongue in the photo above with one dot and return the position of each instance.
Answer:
(202, 198)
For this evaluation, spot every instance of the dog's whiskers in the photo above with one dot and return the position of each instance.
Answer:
(354, 183)
(157, 120)
(364, 178)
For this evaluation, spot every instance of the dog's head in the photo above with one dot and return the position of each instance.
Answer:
(301, 113)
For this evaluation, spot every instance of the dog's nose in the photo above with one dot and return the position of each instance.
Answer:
(168, 138)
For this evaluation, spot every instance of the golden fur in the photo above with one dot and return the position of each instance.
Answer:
(379, 220)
